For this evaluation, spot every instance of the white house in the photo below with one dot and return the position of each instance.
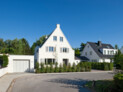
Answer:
(121, 50)
(99, 52)
(56, 48)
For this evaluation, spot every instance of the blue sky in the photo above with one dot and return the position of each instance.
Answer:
(81, 20)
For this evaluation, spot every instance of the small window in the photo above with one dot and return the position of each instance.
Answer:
(61, 39)
(51, 49)
(90, 52)
(86, 53)
(54, 38)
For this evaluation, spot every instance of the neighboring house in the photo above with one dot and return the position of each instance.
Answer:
(121, 50)
(79, 59)
(56, 48)
(99, 52)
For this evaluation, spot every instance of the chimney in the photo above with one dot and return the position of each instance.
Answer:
(99, 43)
(58, 25)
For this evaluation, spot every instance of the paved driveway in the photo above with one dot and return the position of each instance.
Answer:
(69, 82)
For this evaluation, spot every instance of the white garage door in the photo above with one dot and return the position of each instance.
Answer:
(21, 66)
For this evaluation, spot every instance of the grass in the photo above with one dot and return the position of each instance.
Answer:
(100, 86)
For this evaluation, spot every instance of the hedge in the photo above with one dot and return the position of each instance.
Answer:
(118, 82)
(102, 66)
(45, 68)
(4, 60)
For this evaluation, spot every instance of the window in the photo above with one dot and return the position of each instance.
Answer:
(86, 53)
(49, 61)
(54, 38)
(51, 49)
(65, 50)
(108, 52)
(61, 39)
(90, 52)
(104, 52)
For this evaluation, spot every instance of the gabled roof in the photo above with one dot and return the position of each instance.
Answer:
(97, 48)
(82, 58)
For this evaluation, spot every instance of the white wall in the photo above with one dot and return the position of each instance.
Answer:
(20, 57)
(121, 50)
(105, 60)
(42, 54)
(3, 71)
(87, 49)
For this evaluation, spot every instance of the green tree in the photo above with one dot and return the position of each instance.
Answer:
(38, 43)
(77, 52)
(74, 67)
(82, 46)
(37, 67)
(56, 67)
(116, 46)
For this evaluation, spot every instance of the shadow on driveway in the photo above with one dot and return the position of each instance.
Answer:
(70, 83)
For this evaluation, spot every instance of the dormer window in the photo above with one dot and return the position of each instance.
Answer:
(61, 39)
(54, 38)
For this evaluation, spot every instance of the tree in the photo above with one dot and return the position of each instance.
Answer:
(82, 46)
(118, 60)
(38, 43)
(77, 52)
(116, 46)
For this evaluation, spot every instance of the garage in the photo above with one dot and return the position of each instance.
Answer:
(21, 63)
(21, 66)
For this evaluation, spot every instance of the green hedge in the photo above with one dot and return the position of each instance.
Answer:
(4, 60)
(118, 82)
(102, 66)
(53, 68)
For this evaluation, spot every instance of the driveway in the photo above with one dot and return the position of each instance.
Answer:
(66, 82)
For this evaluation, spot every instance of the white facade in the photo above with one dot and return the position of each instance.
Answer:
(121, 50)
(55, 49)
(90, 53)
(93, 56)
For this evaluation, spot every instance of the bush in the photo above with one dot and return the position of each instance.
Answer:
(74, 68)
(42, 68)
(56, 68)
(60, 68)
(102, 66)
(51, 68)
(69, 68)
(64, 68)
(118, 82)
(37, 67)
(4, 60)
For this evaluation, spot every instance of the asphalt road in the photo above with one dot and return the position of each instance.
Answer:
(70, 82)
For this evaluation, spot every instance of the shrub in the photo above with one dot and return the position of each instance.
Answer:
(102, 66)
(37, 67)
(47, 69)
(4, 60)
(60, 68)
(110, 66)
(51, 67)
(69, 68)
(42, 68)
(74, 68)
(64, 68)
(118, 82)
(56, 68)
(78, 68)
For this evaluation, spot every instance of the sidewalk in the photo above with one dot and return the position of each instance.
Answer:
(7, 79)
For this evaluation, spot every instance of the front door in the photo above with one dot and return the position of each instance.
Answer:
(65, 61)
